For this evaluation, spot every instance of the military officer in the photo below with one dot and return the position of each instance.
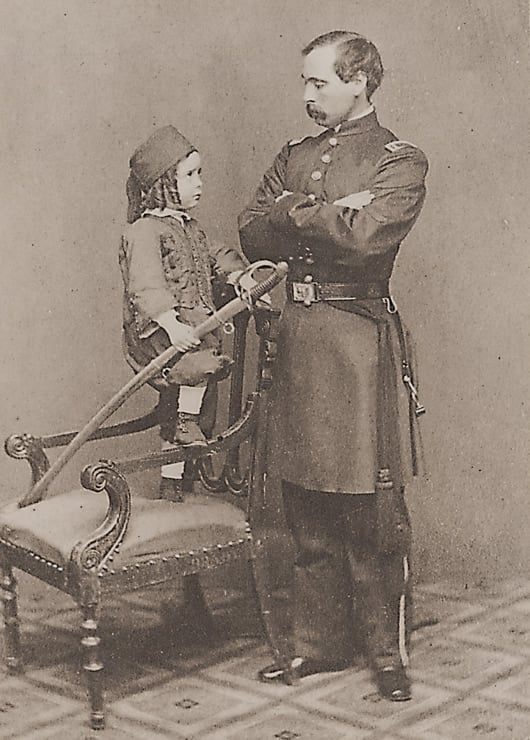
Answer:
(337, 206)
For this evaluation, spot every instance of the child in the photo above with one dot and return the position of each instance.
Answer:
(167, 267)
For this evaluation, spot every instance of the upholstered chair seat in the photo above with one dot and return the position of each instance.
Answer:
(157, 529)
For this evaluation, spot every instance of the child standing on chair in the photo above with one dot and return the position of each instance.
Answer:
(167, 267)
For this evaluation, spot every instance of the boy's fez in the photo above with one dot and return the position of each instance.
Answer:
(164, 148)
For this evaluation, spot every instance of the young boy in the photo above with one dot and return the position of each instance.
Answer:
(167, 267)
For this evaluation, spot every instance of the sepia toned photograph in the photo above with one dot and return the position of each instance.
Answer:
(264, 370)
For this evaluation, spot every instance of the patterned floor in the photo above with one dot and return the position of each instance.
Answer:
(471, 672)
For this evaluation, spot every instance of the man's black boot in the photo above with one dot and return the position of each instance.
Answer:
(393, 683)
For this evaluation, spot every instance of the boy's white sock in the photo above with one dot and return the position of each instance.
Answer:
(190, 398)
(189, 402)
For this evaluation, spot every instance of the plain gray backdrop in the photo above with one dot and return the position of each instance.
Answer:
(84, 81)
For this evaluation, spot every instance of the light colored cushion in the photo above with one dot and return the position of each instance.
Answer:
(52, 527)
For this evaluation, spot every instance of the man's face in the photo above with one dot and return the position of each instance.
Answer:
(189, 181)
(328, 99)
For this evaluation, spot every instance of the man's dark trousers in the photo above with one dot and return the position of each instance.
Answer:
(346, 594)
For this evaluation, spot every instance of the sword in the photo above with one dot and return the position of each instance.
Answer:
(244, 301)
(262, 576)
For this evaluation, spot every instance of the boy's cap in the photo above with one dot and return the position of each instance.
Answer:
(164, 148)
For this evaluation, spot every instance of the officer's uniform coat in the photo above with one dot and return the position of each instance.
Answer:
(324, 417)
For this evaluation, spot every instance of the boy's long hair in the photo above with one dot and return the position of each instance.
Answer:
(163, 193)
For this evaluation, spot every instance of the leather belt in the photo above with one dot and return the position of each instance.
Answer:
(308, 292)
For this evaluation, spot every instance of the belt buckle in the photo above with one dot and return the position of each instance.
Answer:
(304, 293)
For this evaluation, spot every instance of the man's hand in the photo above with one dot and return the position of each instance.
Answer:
(355, 200)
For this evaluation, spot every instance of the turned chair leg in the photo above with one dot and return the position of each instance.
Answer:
(195, 600)
(8, 587)
(93, 667)
(195, 609)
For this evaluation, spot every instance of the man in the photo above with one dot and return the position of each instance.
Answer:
(337, 207)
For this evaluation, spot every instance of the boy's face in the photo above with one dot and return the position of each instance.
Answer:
(189, 180)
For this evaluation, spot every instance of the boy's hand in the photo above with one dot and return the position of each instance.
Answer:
(355, 200)
(181, 336)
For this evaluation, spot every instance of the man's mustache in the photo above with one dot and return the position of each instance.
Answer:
(315, 112)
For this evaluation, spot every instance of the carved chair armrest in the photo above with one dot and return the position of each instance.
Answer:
(30, 448)
(27, 447)
(90, 554)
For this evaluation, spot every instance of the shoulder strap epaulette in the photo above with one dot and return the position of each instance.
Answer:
(294, 142)
(398, 145)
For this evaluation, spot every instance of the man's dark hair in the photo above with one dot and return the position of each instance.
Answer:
(354, 54)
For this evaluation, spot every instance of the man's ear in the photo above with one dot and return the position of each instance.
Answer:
(359, 82)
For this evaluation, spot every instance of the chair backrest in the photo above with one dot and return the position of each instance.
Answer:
(242, 421)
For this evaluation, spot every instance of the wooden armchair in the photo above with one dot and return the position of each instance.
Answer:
(90, 546)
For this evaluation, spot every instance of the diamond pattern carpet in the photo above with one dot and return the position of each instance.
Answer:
(166, 678)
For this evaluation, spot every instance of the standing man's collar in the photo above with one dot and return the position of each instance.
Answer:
(365, 121)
